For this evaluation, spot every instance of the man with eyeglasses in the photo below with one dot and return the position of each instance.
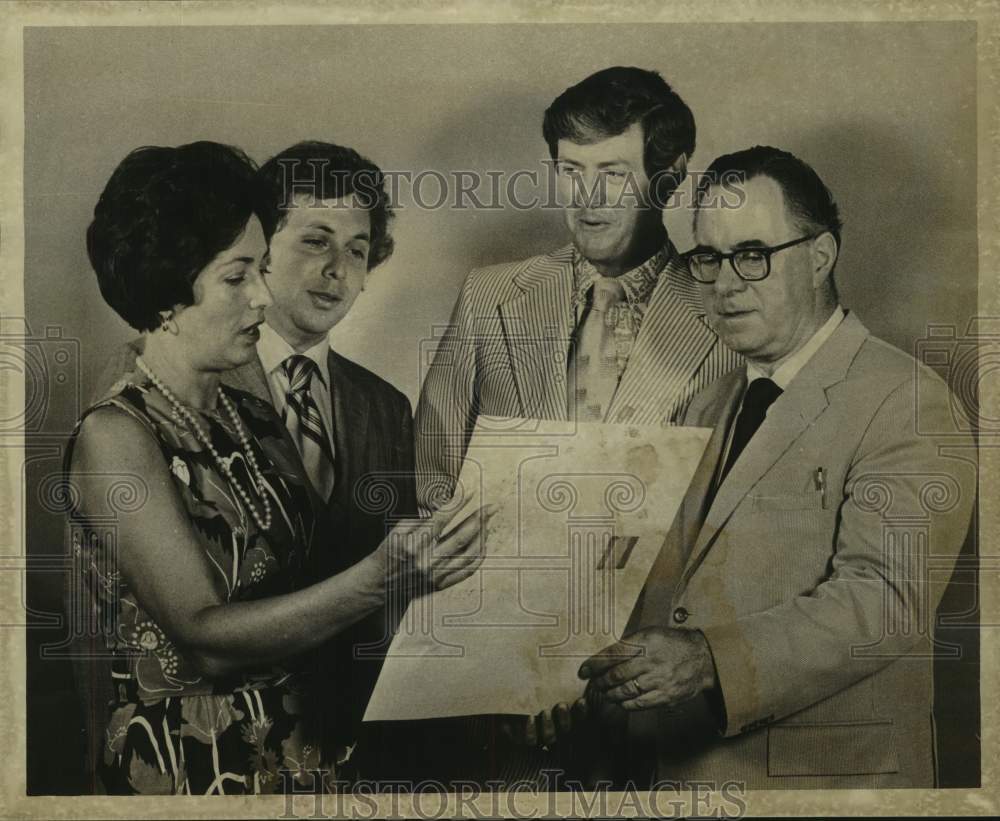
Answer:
(784, 635)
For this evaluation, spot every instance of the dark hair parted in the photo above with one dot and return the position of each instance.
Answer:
(609, 102)
(808, 200)
(164, 215)
(328, 171)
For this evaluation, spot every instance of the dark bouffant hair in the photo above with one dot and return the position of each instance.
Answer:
(328, 171)
(164, 215)
(607, 103)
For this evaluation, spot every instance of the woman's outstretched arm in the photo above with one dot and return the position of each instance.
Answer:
(163, 564)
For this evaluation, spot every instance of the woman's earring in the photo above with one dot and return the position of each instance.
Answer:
(167, 322)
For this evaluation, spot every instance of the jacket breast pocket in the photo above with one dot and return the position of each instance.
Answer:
(809, 500)
(835, 748)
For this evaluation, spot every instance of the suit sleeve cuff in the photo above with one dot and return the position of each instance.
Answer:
(713, 695)
(736, 703)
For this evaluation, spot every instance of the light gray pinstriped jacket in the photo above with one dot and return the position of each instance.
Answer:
(506, 349)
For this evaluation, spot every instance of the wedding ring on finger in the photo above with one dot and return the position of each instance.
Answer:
(634, 689)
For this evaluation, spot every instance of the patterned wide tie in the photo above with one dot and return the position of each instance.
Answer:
(595, 365)
(302, 418)
(760, 395)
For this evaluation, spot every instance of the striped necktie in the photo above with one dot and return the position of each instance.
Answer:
(304, 422)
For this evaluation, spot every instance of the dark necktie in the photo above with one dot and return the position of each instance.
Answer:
(304, 422)
(760, 395)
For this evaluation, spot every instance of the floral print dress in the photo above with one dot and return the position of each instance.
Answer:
(170, 730)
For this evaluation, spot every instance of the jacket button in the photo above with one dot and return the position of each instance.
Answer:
(681, 615)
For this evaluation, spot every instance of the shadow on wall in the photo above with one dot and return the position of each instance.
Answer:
(898, 211)
(477, 139)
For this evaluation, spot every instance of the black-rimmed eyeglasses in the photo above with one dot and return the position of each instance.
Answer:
(751, 264)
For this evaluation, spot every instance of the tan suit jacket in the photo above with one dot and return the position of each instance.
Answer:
(817, 598)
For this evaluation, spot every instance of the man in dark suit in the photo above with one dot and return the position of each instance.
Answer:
(327, 222)
(784, 638)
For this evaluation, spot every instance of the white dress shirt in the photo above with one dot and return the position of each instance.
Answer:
(787, 370)
(273, 351)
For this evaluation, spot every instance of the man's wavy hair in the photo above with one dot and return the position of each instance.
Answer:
(328, 171)
(608, 103)
(164, 215)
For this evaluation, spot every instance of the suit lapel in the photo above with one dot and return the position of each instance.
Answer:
(537, 327)
(793, 412)
(721, 401)
(787, 418)
(673, 341)
(350, 424)
(718, 413)
(250, 378)
(350, 412)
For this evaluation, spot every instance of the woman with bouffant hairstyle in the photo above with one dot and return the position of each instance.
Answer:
(201, 587)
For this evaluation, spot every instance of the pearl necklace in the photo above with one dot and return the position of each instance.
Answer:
(263, 522)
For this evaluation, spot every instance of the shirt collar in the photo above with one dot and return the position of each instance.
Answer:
(637, 283)
(788, 369)
(273, 350)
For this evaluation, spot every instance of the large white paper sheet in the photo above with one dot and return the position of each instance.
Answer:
(584, 509)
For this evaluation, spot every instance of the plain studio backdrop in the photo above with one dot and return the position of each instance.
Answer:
(886, 113)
